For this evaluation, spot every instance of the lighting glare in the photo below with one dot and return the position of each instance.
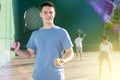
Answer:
(105, 11)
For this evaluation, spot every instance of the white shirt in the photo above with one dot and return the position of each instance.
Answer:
(106, 47)
(78, 42)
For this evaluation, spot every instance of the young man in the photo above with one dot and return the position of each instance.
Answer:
(78, 44)
(47, 44)
(105, 50)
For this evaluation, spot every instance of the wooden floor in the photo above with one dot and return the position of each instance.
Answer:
(86, 69)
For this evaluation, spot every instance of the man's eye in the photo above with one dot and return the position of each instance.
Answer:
(50, 12)
(45, 12)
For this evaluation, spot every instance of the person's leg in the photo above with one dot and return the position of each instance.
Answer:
(81, 53)
(78, 56)
(100, 66)
(77, 53)
(101, 59)
(109, 64)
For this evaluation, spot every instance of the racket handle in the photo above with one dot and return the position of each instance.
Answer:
(12, 49)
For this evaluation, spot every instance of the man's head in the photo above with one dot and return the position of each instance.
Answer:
(47, 12)
(105, 37)
(78, 35)
(47, 3)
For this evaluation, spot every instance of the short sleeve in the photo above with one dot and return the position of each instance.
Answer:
(31, 42)
(66, 40)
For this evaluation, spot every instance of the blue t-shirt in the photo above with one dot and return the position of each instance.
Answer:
(48, 44)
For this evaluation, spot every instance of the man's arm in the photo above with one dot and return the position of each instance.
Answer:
(84, 35)
(111, 47)
(29, 53)
(69, 55)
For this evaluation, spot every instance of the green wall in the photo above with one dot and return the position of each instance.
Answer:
(72, 15)
(7, 31)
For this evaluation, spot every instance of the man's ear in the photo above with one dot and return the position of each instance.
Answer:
(55, 13)
(40, 14)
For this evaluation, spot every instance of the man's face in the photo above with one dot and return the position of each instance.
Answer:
(47, 14)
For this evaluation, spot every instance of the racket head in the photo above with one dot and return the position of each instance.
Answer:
(33, 21)
(32, 18)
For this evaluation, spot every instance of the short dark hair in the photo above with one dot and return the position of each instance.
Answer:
(47, 3)
(78, 35)
(105, 37)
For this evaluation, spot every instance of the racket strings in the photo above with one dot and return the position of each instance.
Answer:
(33, 19)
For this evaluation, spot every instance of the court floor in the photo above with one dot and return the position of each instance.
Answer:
(87, 69)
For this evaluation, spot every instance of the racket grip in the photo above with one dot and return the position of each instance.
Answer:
(12, 49)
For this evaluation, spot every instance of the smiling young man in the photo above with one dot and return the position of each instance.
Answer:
(47, 44)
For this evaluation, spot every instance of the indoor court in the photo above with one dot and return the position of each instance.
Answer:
(87, 69)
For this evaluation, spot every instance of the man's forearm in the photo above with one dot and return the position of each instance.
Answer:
(69, 56)
(23, 53)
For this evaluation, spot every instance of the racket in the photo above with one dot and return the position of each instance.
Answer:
(79, 31)
(32, 20)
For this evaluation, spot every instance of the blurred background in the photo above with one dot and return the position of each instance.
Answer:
(77, 16)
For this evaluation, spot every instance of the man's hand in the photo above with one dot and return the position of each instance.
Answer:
(15, 46)
(58, 62)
